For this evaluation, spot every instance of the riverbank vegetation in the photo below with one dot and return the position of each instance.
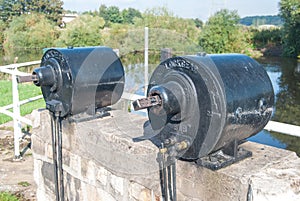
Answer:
(39, 25)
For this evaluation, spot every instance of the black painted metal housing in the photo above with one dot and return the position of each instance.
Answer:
(82, 79)
(210, 101)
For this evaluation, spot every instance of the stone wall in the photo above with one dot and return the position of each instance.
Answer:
(101, 162)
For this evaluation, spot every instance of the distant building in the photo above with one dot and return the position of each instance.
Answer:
(268, 27)
(67, 18)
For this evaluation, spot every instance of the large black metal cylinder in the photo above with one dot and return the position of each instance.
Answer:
(210, 101)
(82, 79)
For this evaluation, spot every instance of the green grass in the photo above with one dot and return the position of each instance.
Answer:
(4, 196)
(25, 91)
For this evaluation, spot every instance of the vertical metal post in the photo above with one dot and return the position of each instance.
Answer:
(16, 111)
(146, 59)
(165, 54)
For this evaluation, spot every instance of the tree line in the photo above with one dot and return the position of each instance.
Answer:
(262, 20)
(38, 24)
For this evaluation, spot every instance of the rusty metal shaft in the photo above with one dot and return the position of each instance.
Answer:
(144, 103)
(28, 78)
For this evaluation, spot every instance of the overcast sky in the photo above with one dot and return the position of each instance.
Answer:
(183, 8)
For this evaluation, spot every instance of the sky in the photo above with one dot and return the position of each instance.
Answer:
(201, 9)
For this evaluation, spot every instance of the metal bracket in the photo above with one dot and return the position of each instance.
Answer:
(225, 157)
(100, 113)
(54, 106)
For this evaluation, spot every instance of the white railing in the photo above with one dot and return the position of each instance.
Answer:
(283, 128)
(12, 69)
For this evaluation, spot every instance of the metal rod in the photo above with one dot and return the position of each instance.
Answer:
(27, 78)
(146, 59)
(162, 187)
(173, 169)
(164, 173)
(60, 162)
(54, 153)
(170, 182)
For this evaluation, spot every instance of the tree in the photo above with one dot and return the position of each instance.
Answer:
(290, 12)
(161, 18)
(110, 14)
(198, 23)
(103, 12)
(2, 29)
(30, 31)
(51, 8)
(6, 10)
(129, 14)
(222, 34)
(83, 31)
(114, 14)
(165, 30)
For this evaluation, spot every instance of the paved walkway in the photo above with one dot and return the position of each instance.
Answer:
(15, 176)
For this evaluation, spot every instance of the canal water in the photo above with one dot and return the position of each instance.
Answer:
(283, 72)
(285, 76)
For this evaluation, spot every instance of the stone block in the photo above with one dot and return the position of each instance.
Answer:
(117, 184)
(103, 195)
(139, 192)
(91, 173)
(38, 145)
(103, 163)
(102, 175)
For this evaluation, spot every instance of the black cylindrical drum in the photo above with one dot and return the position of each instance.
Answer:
(82, 79)
(210, 100)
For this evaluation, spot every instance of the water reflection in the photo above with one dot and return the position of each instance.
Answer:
(297, 69)
(285, 77)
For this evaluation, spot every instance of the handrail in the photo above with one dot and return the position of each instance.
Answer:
(283, 128)
(19, 65)
(12, 69)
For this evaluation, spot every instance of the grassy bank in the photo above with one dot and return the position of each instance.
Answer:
(25, 91)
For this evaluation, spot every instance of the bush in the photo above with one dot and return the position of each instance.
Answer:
(30, 31)
(267, 37)
(161, 18)
(83, 31)
(222, 34)
(2, 29)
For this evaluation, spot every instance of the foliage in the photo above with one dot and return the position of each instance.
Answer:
(165, 31)
(290, 12)
(110, 14)
(267, 37)
(161, 18)
(129, 14)
(262, 20)
(222, 34)
(198, 23)
(2, 29)
(30, 31)
(25, 91)
(51, 8)
(83, 31)
(113, 14)
(4, 196)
